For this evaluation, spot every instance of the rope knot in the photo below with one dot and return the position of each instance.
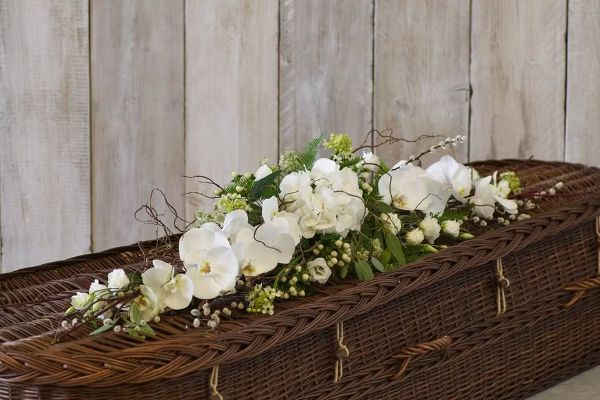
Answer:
(341, 353)
(214, 381)
(503, 283)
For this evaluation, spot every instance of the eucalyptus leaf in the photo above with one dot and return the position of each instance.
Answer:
(377, 264)
(147, 330)
(386, 256)
(135, 312)
(394, 245)
(103, 328)
(363, 270)
(261, 185)
(344, 271)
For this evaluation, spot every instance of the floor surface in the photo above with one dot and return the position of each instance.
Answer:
(582, 387)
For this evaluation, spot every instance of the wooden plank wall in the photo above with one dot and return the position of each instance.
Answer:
(102, 100)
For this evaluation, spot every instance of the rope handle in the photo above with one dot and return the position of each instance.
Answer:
(503, 283)
(581, 287)
(341, 353)
(214, 382)
(408, 353)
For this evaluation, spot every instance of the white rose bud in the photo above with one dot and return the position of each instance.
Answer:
(262, 171)
(451, 228)
(415, 236)
(80, 300)
(392, 223)
(117, 279)
(431, 229)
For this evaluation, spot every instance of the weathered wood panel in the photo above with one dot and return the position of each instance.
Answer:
(421, 73)
(583, 83)
(44, 125)
(518, 79)
(326, 70)
(231, 89)
(137, 113)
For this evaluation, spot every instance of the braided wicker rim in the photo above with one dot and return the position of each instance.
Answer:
(89, 361)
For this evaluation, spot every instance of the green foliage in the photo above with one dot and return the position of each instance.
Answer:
(363, 270)
(457, 214)
(260, 187)
(306, 158)
(377, 264)
(415, 252)
(135, 313)
(396, 248)
(103, 328)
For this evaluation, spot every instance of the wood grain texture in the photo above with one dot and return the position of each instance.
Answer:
(518, 79)
(44, 125)
(137, 113)
(326, 75)
(231, 89)
(583, 83)
(421, 73)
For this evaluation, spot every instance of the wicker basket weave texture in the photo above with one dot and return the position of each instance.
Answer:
(291, 355)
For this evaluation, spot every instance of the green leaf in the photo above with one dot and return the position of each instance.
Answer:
(344, 271)
(377, 264)
(135, 311)
(147, 330)
(101, 329)
(386, 256)
(394, 245)
(261, 185)
(132, 332)
(351, 162)
(384, 208)
(306, 158)
(363, 270)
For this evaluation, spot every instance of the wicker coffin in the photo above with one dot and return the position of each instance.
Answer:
(501, 316)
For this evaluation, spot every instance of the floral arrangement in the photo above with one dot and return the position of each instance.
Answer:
(300, 223)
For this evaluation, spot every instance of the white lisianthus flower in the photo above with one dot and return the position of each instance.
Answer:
(96, 287)
(262, 172)
(410, 188)
(455, 176)
(392, 222)
(415, 236)
(81, 300)
(117, 279)
(431, 228)
(286, 222)
(370, 161)
(326, 199)
(147, 303)
(319, 270)
(451, 228)
(174, 291)
(210, 262)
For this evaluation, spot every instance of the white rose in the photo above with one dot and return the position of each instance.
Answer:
(80, 301)
(392, 223)
(431, 228)
(262, 171)
(451, 228)
(96, 287)
(370, 161)
(415, 236)
(117, 279)
(319, 270)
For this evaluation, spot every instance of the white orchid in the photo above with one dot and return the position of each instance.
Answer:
(211, 264)
(262, 172)
(147, 303)
(415, 236)
(174, 291)
(319, 270)
(117, 279)
(96, 287)
(410, 188)
(455, 176)
(431, 228)
(487, 194)
(234, 222)
(260, 250)
(451, 228)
